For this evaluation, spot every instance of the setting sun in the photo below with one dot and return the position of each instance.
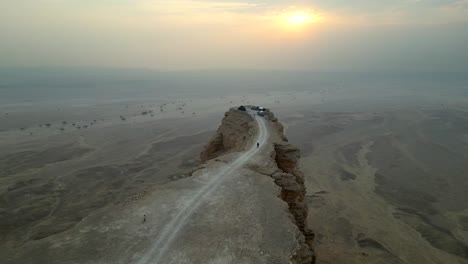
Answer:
(299, 18)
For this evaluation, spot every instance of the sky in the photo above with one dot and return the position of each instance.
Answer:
(322, 35)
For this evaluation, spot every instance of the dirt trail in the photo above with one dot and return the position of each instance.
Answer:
(171, 229)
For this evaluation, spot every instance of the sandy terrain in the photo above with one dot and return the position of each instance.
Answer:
(386, 181)
(51, 180)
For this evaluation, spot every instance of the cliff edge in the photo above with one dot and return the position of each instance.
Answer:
(237, 131)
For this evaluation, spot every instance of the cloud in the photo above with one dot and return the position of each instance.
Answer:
(406, 11)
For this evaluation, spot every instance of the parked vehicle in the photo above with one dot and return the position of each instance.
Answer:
(242, 108)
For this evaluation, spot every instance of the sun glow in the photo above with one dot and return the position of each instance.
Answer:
(299, 18)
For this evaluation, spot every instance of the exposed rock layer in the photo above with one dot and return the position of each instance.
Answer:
(293, 192)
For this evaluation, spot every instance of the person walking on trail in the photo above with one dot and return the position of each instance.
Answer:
(258, 145)
(144, 218)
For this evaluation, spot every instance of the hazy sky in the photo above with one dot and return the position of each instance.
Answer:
(329, 35)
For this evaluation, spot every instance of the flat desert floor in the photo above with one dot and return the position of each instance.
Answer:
(386, 186)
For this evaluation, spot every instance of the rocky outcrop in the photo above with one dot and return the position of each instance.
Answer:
(236, 132)
(291, 181)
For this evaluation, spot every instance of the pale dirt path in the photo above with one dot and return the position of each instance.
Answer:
(169, 233)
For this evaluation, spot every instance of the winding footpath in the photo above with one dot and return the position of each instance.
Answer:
(168, 234)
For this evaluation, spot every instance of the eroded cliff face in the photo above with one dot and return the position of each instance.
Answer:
(293, 192)
(236, 133)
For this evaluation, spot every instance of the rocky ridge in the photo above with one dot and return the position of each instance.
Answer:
(235, 133)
